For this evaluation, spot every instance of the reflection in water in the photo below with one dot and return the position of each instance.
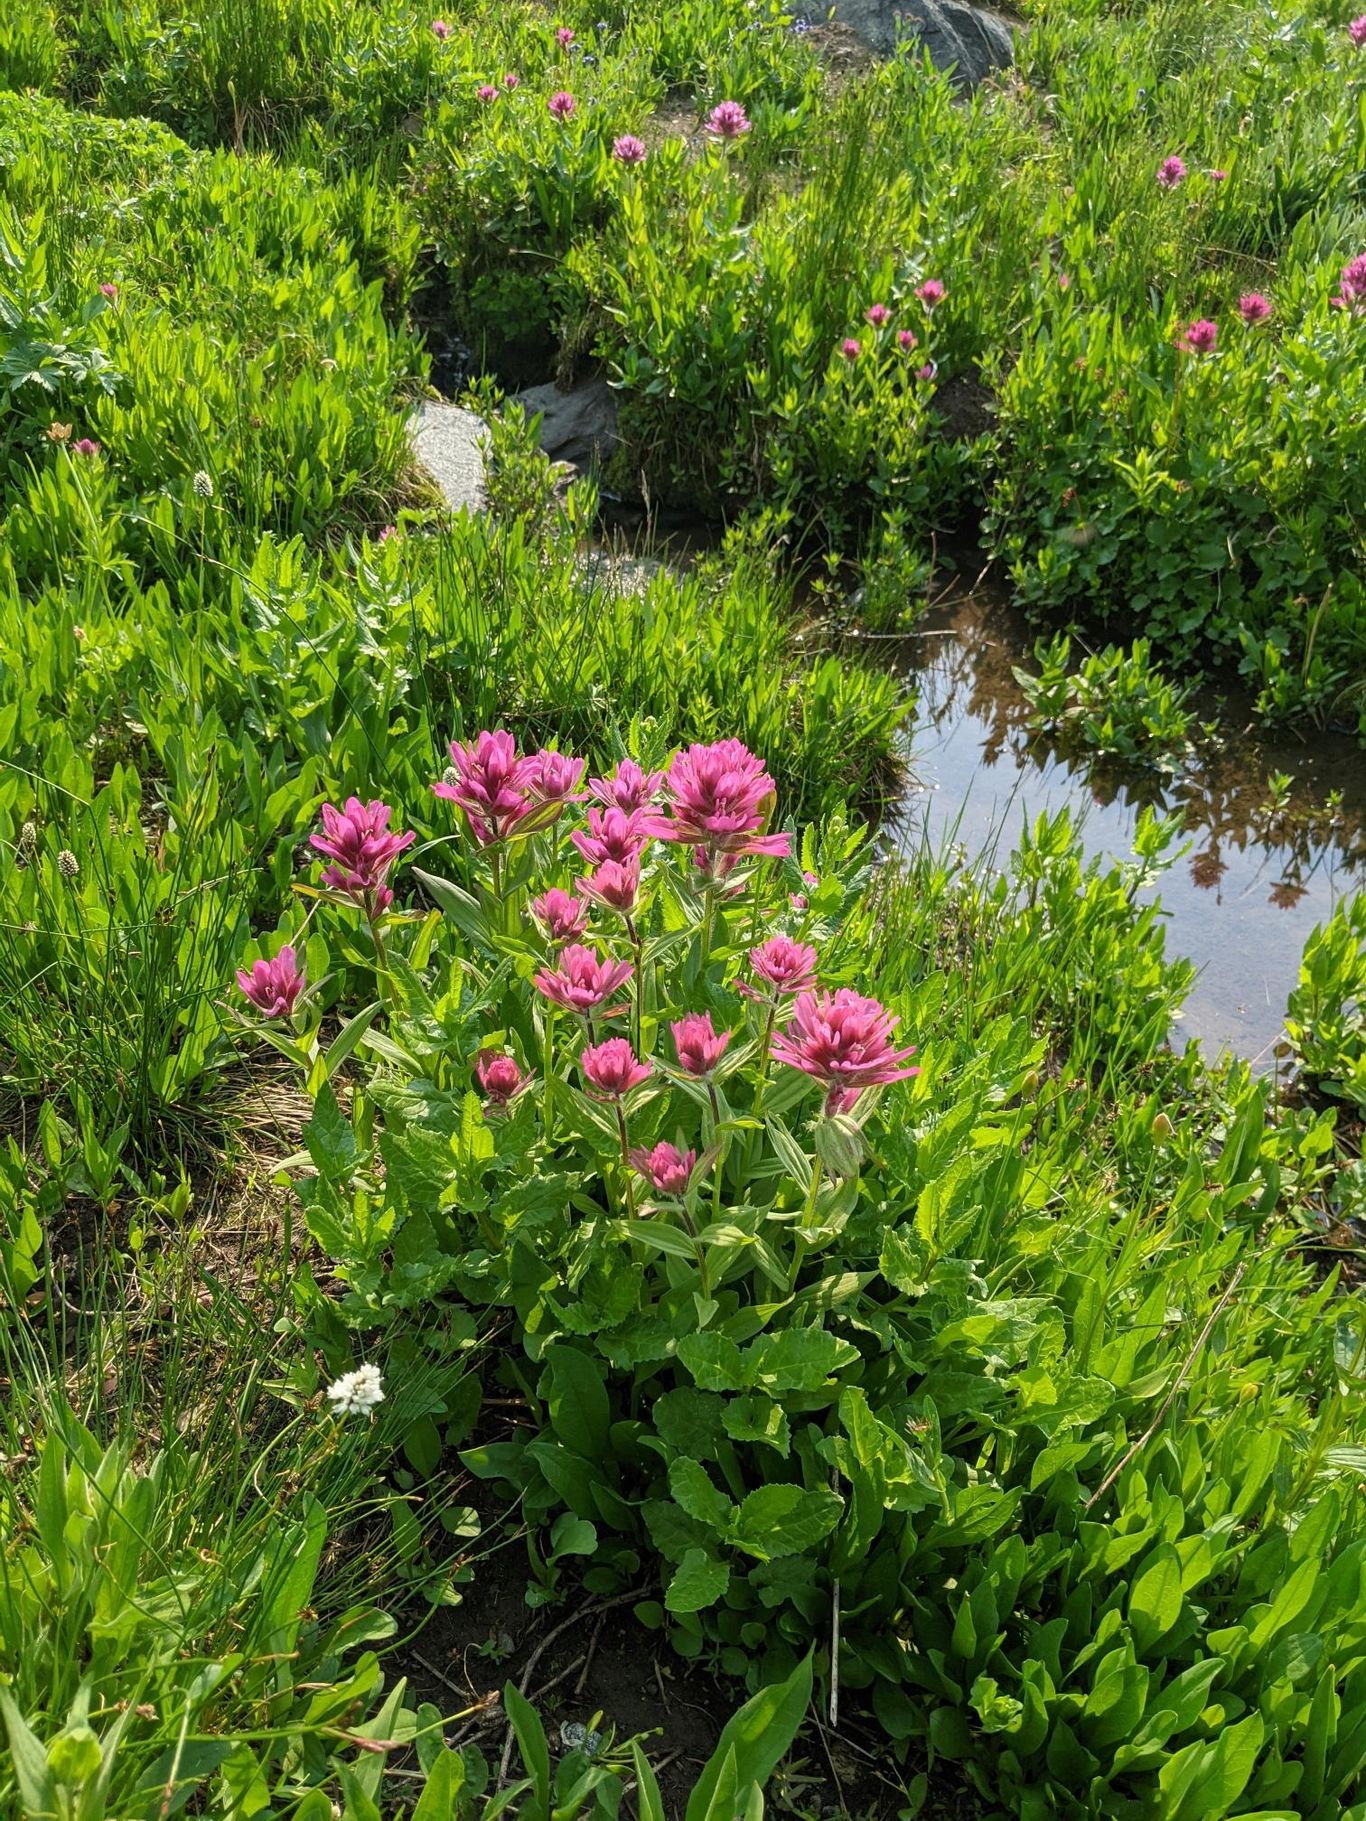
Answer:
(1262, 866)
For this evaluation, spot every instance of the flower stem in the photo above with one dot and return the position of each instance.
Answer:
(708, 918)
(626, 1163)
(699, 1252)
(719, 1166)
(808, 1215)
(548, 1091)
(381, 954)
(761, 1085)
(638, 950)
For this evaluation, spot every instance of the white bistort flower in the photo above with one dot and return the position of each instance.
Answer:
(357, 1393)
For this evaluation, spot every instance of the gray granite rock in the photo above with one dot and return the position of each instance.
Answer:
(578, 426)
(971, 40)
(450, 443)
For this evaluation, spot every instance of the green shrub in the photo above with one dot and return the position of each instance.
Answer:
(1326, 1018)
(1116, 703)
(31, 50)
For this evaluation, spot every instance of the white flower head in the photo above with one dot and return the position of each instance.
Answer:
(357, 1393)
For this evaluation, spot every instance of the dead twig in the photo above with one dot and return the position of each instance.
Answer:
(576, 1618)
(588, 1660)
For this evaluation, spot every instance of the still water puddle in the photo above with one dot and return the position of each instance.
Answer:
(1256, 876)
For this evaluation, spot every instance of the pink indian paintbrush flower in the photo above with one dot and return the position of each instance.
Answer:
(486, 92)
(614, 834)
(500, 1077)
(850, 348)
(728, 120)
(799, 900)
(878, 314)
(564, 37)
(906, 339)
(1356, 31)
(441, 31)
(562, 104)
(698, 1045)
(111, 291)
(490, 783)
(1218, 176)
(1253, 307)
(844, 1041)
(273, 987)
(667, 1169)
(583, 981)
(927, 372)
(1353, 280)
(628, 149)
(86, 446)
(615, 885)
(1198, 337)
(512, 80)
(628, 787)
(358, 839)
(612, 1068)
(932, 293)
(719, 797)
(1171, 172)
(783, 965)
(560, 914)
(554, 777)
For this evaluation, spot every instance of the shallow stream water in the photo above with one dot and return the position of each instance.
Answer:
(1255, 877)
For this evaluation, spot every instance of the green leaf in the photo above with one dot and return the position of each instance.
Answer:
(74, 1755)
(692, 1487)
(454, 902)
(577, 1399)
(758, 1735)
(690, 1421)
(800, 1359)
(699, 1581)
(1203, 1781)
(715, 1362)
(441, 1793)
(649, 1802)
(757, 1419)
(776, 1521)
(35, 1780)
(349, 1036)
(531, 1742)
(328, 1135)
(1155, 1598)
(570, 1535)
(793, 1158)
(905, 1260)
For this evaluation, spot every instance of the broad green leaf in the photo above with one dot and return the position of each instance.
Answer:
(759, 1735)
(757, 1419)
(1202, 1782)
(1155, 1598)
(695, 1491)
(441, 1793)
(699, 1581)
(800, 1359)
(689, 1420)
(531, 1742)
(577, 1399)
(714, 1361)
(776, 1521)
